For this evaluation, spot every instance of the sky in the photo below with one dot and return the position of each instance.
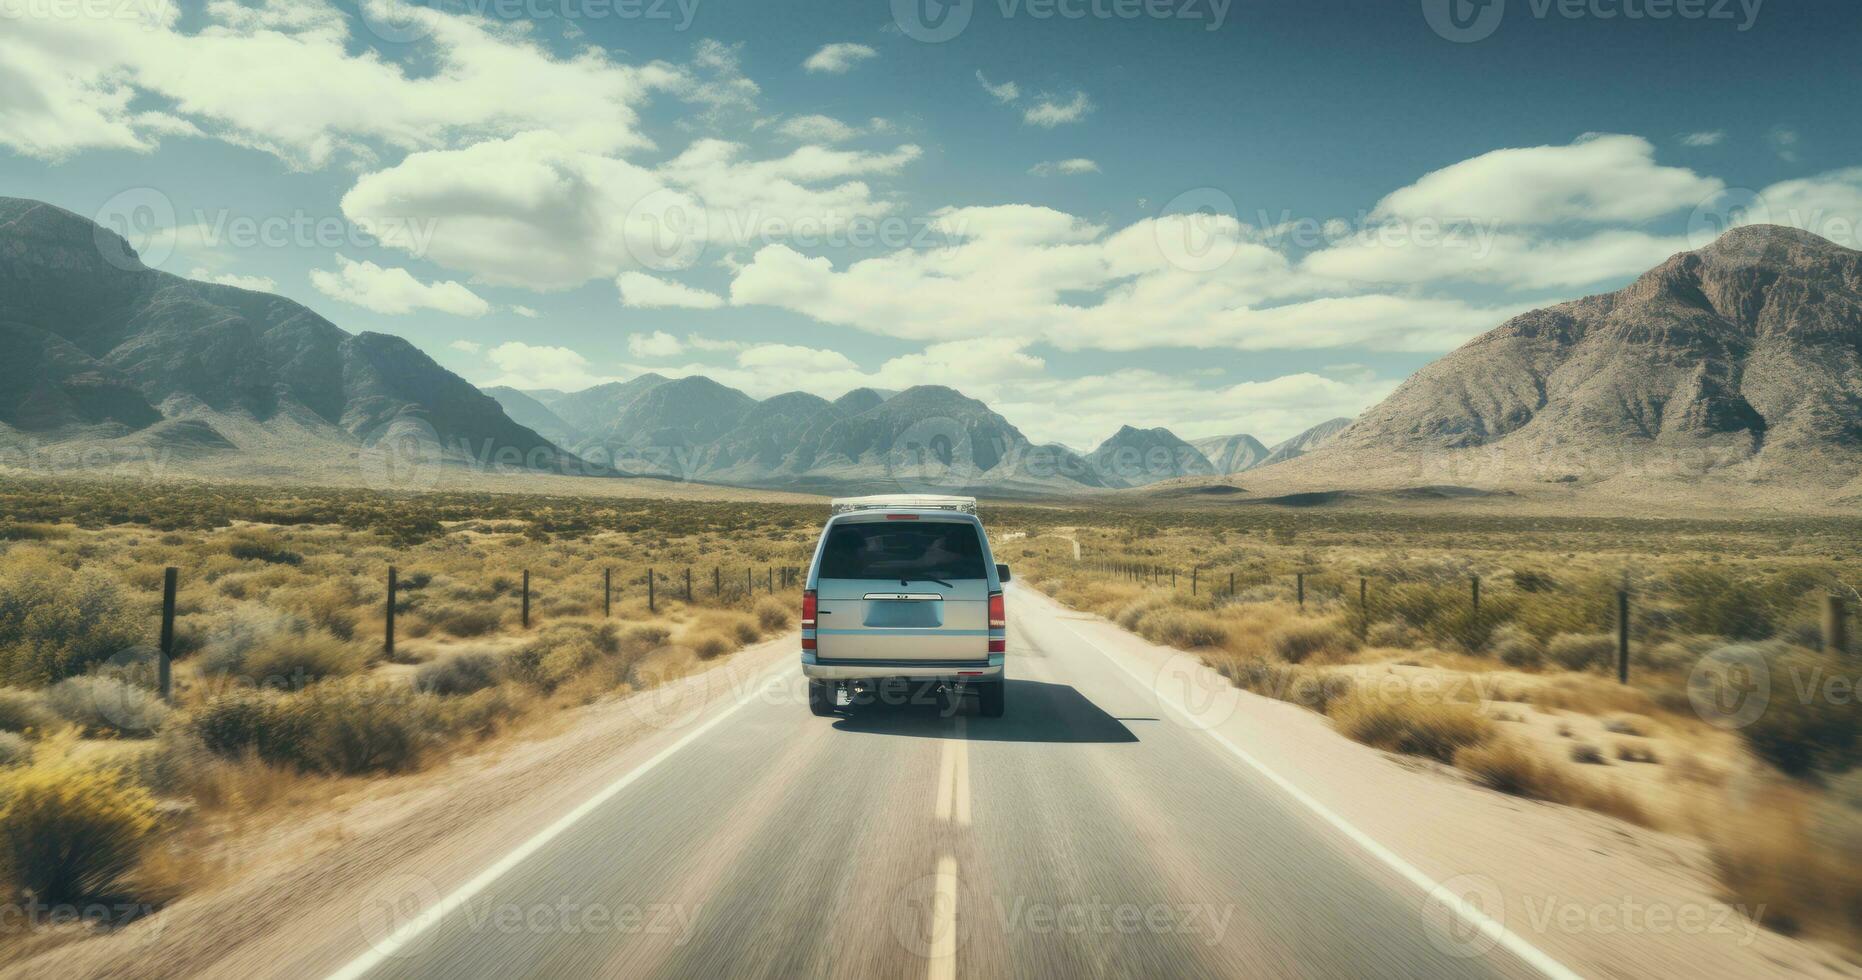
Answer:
(1212, 215)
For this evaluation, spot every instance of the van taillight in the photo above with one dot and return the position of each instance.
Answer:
(808, 618)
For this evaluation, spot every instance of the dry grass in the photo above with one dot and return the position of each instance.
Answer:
(1397, 724)
(1510, 767)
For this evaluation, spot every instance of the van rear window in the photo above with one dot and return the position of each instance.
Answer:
(900, 550)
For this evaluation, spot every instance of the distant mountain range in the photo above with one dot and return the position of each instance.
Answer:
(1740, 362)
(98, 350)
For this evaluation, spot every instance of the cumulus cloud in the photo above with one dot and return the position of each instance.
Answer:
(1077, 165)
(657, 344)
(258, 284)
(1595, 179)
(394, 291)
(526, 366)
(1048, 113)
(466, 346)
(651, 292)
(1004, 93)
(1712, 137)
(838, 59)
(525, 312)
(816, 129)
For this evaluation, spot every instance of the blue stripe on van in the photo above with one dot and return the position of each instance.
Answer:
(896, 631)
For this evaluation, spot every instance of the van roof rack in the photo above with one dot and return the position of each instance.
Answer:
(903, 501)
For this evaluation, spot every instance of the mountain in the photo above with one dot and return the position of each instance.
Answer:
(1136, 457)
(765, 438)
(1231, 454)
(1742, 359)
(1313, 438)
(858, 400)
(528, 411)
(593, 410)
(99, 347)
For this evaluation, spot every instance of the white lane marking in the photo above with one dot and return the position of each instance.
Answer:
(946, 776)
(395, 941)
(942, 962)
(1467, 911)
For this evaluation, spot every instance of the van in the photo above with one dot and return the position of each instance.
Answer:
(903, 587)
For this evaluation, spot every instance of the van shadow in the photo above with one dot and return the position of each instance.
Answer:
(1037, 712)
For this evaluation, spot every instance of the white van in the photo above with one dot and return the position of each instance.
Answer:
(904, 587)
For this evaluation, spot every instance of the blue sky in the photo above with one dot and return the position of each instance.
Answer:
(1242, 217)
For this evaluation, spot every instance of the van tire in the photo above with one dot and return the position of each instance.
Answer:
(989, 699)
(822, 698)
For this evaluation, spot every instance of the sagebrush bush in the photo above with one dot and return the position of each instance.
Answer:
(1302, 639)
(1582, 651)
(102, 705)
(355, 728)
(1397, 723)
(22, 711)
(295, 661)
(709, 646)
(1304, 686)
(14, 750)
(1511, 768)
(1396, 636)
(464, 620)
(772, 614)
(462, 673)
(57, 623)
(70, 832)
(259, 721)
(1182, 628)
(1515, 647)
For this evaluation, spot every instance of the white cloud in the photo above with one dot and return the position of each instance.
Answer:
(1502, 258)
(258, 284)
(1784, 141)
(1828, 204)
(394, 291)
(525, 312)
(1004, 93)
(1077, 165)
(1712, 137)
(466, 346)
(526, 366)
(1047, 113)
(816, 129)
(651, 292)
(838, 59)
(1596, 179)
(657, 344)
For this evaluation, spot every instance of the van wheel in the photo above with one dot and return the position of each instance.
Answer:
(822, 697)
(989, 699)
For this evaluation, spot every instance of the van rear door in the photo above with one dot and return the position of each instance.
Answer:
(905, 588)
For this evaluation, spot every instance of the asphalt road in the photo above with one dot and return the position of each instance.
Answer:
(1088, 833)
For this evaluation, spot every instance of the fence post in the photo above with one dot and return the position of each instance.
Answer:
(387, 640)
(688, 583)
(1231, 583)
(164, 673)
(1622, 636)
(749, 583)
(717, 580)
(1173, 578)
(772, 579)
(1299, 582)
(1192, 581)
(652, 606)
(1364, 612)
(526, 598)
(607, 593)
(1835, 626)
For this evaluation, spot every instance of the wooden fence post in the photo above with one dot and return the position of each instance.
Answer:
(607, 593)
(387, 640)
(164, 669)
(1193, 571)
(717, 580)
(772, 579)
(1173, 578)
(1231, 583)
(652, 606)
(1835, 626)
(526, 598)
(1299, 582)
(688, 583)
(1622, 636)
(749, 583)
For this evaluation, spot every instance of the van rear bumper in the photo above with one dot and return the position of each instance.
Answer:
(918, 670)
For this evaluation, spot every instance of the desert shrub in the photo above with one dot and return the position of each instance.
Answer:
(1632, 752)
(103, 705)
(356, 728)
(236, 634)
(459, 674)
(1803, 732)
(262, 547)
(22, 711)
(1587, 754)
(1303, 639)
(479, 713)
(1436, 729)
(709, 646)
(277, 649)
(1397, 636)
(1505, 765)
(562, 651)
(1182, 628)
(1130, 615)
(644, 639)
(70, 832)
(465, 620)
(231, 724)
(1308, 688)
(174, 764)
(1582, 651)
(57, 623)
(1711, 601)
(1516, 647)
(14, 750)
(772, 614)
